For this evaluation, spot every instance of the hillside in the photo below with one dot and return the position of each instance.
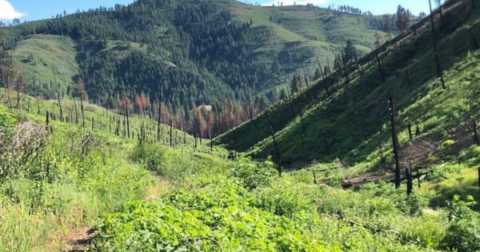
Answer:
(76, 176)
(201, 52)
(351, 123)
(71, 188)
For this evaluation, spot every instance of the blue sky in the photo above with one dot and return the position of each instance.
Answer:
(41, 9)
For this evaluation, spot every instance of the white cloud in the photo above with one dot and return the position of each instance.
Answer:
(7, 12)
(297, 2)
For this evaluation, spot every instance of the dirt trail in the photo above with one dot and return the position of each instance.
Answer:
(78, 240)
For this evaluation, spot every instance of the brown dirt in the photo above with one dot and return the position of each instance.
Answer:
(78, 240)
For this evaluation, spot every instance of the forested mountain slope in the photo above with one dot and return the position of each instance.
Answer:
(346, 116)
(192, 51)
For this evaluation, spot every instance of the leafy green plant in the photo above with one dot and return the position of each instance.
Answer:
(463, 233)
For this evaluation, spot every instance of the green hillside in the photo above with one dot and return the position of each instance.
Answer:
(201, 52)
(87, 189)
(354, 121)
(313, 173)
(44, 59)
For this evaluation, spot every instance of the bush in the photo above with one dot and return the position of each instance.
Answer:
(252, 175)
(463, 233)
(448, 143)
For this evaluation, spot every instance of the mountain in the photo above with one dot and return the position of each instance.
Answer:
(192, 51)
(345, 116)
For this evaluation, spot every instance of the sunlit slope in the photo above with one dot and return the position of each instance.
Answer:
(354, 121)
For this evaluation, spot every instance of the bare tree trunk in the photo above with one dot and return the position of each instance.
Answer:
(437, 60)
(380, 68)
(393, 122)
(409, 82)
(195, 136)
(303, 123)
(410, 135)
(279, 159)
(477, 142)
(171, 132)
(409, 178)
(9, 102)
(381, 153)
(47, 121)
(38, 106)
(18, 106)
(475, 134)
(159, 122)
(128, 122)
(211, 139)
(83, 112)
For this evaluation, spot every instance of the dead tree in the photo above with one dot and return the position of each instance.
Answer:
(171, 132)
(476, 140)
(382, 156)
(159, 121)
(393, 123)
(279, 162)
(303, 123)
(290, 101)
(410, 135)
(437, 60)
(408, 173)
(409, 81)
(380, 69)
(19, 88)
(473, 39)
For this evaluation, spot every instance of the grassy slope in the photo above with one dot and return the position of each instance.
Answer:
(351, 123)
(39, 214)
(46, 58)
(306, 33)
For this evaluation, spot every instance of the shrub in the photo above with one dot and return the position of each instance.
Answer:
(448, 143)
(252, 175)
(464, 230)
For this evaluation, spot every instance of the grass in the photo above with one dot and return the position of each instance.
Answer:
(351, 123)
(39, 214)
(44, 59)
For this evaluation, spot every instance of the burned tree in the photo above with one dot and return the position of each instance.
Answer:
(83, 97)
(408, 173)
(393, 123)
(277, 151)
(476, 140)
(437, 59)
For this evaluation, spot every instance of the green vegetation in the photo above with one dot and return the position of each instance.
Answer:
(44, 59)
(75, 176)
(352, 122)
(194, 52)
